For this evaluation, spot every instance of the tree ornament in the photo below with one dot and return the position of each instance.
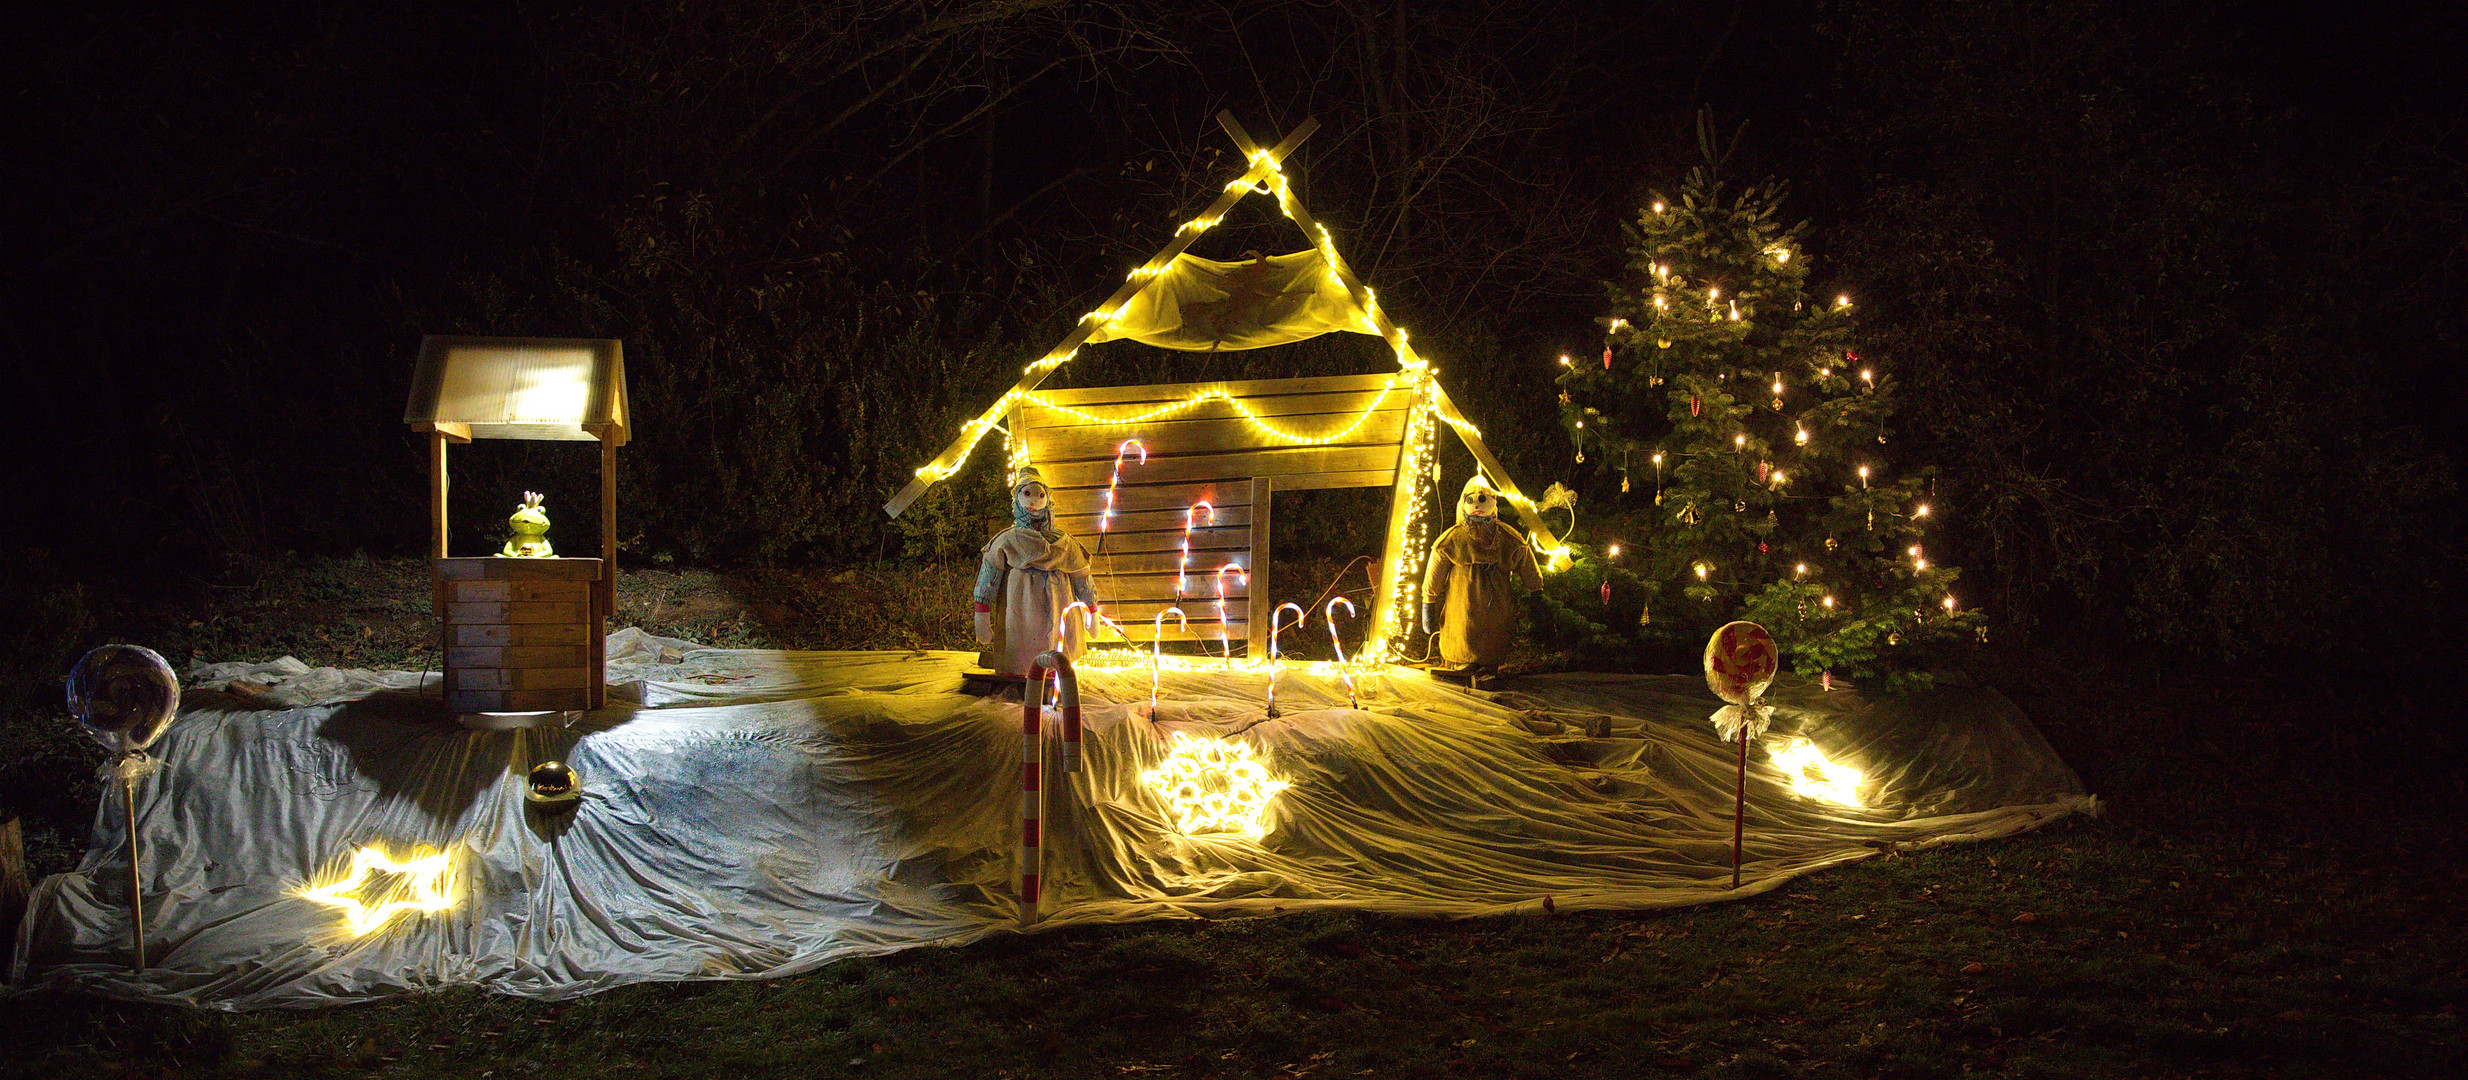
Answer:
(1688, 514)
(1606, 592)
(1662, 343)
(1695, 407)
(1739, 506)
(1623, 482)
(1764, 469)
(1829, 543)
(1606, 358)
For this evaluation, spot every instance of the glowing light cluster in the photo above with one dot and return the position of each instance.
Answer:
(1212, 785)
(1813, 776)
(378, 887)
(1219, 394)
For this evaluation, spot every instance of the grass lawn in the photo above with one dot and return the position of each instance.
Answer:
(2243, 911)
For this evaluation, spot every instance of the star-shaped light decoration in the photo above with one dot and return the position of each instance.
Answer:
(1212, 785)
(378, 887)
(1813, 776)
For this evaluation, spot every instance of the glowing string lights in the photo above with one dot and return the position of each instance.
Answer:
(423, 884)
(1213, 785)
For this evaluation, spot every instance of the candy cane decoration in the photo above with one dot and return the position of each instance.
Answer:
(1299, 617)
(1181, 585)
(1156, 646)
(1032, 756)
(1063, 620)
(1331, 611)
(1224, 643)
(1105, 521)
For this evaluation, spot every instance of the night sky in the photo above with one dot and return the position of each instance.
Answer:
(2120, 250)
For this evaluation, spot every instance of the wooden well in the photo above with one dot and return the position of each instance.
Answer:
(522, 635)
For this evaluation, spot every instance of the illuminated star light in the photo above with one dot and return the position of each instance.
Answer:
(426, 885)
(1812, 776)
(1212, 785)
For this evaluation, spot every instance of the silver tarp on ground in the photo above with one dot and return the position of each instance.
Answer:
(756, 814)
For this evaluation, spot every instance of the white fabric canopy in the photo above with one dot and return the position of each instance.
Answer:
(1204, 305)
(756, 814)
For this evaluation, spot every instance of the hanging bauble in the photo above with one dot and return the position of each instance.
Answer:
(1761, 547)
(1764, 469)
(1688, 514)
(1777, 404)
(1739, 506)
(1658, 498)
(1563, 397)
(1829, 543)
(1695, 406)
(1662, 343)
(1580, 457)
(1893, 638)
(1645, 616)
(1606, 592)
(1623, 483)
(1606, 358)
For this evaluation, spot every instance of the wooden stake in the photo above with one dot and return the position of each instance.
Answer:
(137, 910)
(1739, 808)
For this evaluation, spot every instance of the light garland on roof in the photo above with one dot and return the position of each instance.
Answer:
(1219, 394)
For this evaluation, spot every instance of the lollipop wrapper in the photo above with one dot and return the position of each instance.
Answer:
(1729, 719)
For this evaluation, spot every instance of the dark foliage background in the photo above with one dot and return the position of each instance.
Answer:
(2175, 290)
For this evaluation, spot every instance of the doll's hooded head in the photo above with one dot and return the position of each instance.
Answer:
(1032, 506)
(1478, 500)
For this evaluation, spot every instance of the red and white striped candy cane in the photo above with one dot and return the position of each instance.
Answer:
(1182, 586)
(1331, 611)
(1032, 757)
(1300, 616)
(1156, 649)
(1224, 643)
(1105, 521)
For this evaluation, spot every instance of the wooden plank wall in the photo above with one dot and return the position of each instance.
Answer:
(1208, 453)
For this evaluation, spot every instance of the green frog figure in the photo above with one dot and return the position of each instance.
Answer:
(530, 525)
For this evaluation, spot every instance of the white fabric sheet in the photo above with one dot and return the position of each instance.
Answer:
(756, 814)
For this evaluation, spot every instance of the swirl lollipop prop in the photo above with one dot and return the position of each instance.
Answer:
(1156, 650)
(1740, 662)
(1224, 643)
(1351, 701)
(1299, 616)
(125, 695)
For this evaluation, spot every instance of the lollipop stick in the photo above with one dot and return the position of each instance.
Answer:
(1739, 808)
(137, 911)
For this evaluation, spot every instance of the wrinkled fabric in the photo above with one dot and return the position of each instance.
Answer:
(1204, 305)
(756, 814)
(1478, 569)
(1040, 574)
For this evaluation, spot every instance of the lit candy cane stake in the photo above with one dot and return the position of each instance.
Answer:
(1032, 757)
(1156, 647)
(1181, 584)
(1331, 611)
(1105, 521)
(1299, 616)
(1225, 643)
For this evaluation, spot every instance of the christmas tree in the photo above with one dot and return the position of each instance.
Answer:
(1751, 446)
